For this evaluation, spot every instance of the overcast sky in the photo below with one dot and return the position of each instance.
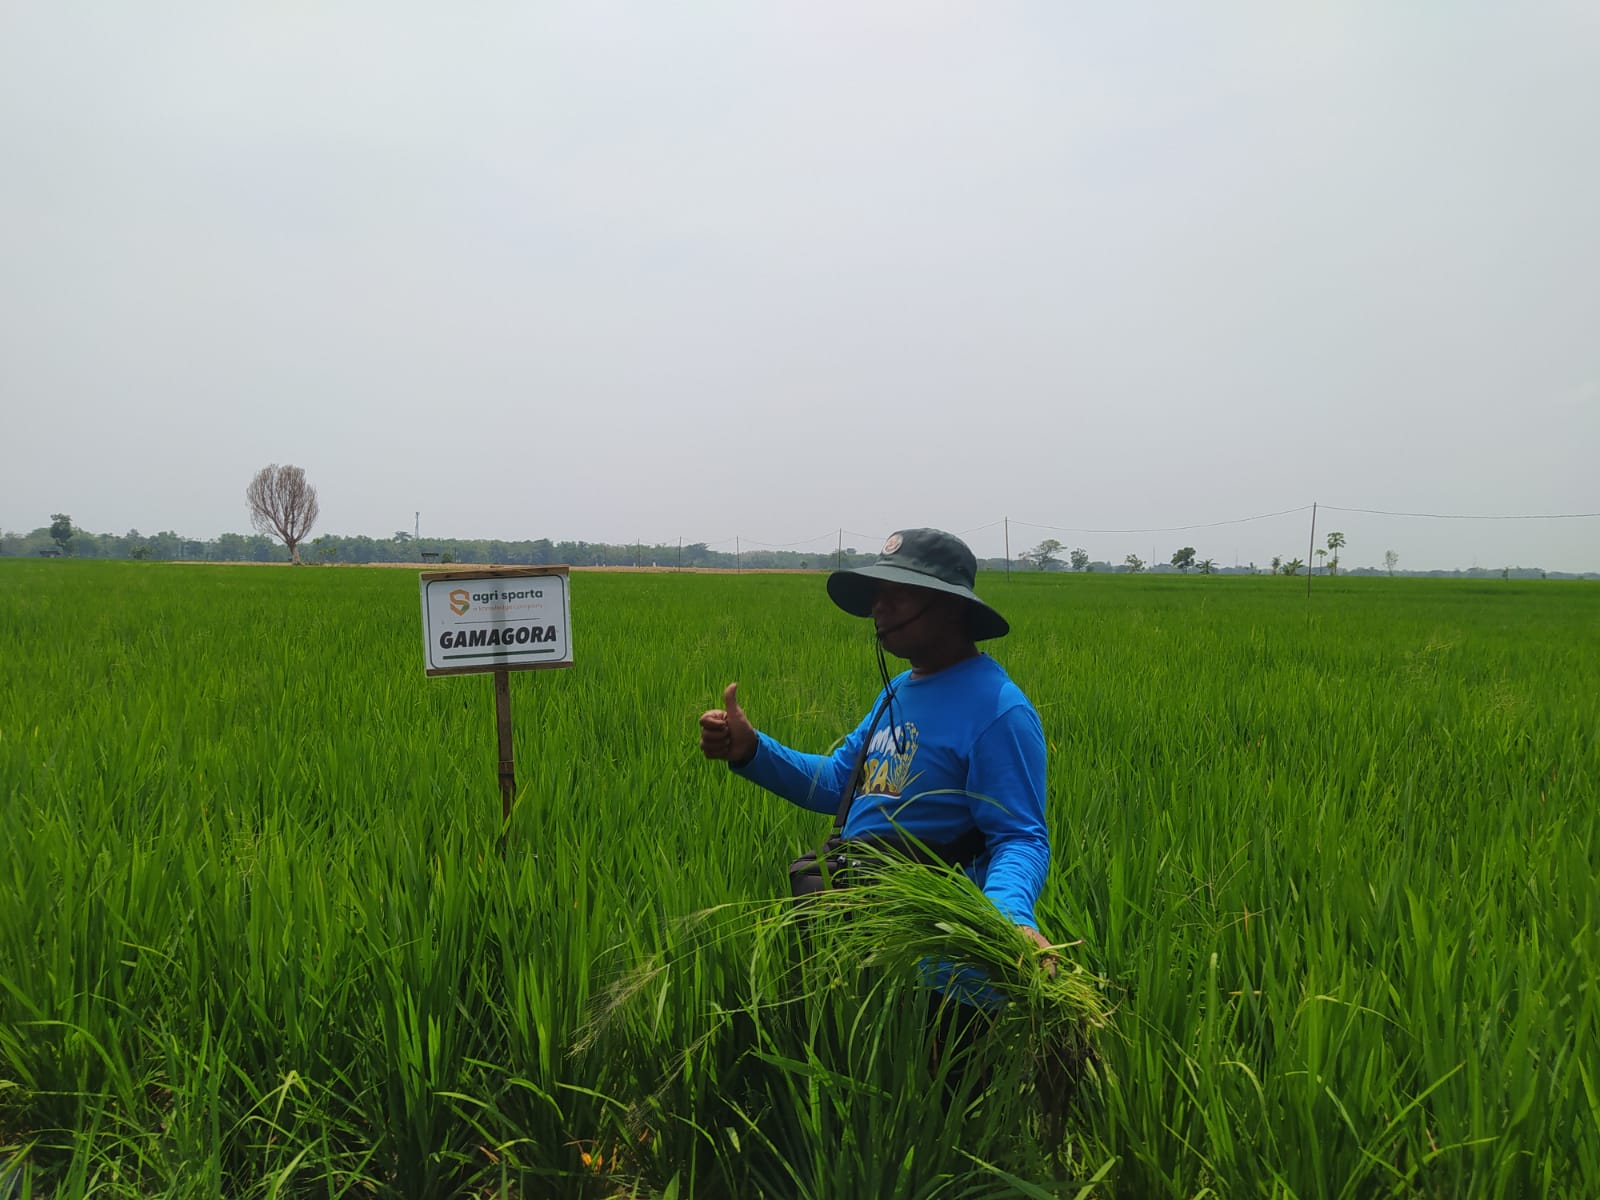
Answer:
(607, 271)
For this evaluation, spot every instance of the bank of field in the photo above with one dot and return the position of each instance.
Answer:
(1337, 863)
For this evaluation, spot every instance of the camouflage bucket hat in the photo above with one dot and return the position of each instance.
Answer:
(924, 558)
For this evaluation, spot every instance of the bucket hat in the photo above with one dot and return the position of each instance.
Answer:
(924, 558)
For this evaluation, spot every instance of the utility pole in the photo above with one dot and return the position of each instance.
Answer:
(1311, 555)
(1008, 549)
(838, 554)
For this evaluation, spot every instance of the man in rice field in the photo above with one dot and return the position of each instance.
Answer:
(954, 754)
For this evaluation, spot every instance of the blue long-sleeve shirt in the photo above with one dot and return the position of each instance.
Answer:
(966, 750)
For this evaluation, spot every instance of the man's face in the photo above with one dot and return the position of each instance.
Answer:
(910, 619)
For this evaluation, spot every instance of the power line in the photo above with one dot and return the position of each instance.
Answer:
(1378, 512)
(802, 542)
(1177, 528)
(1284, 512)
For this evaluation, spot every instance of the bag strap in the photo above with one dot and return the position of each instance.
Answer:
(848, 795)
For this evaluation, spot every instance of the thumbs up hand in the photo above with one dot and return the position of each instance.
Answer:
(726, 733)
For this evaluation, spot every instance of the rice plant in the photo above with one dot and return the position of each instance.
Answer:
(1322, 895)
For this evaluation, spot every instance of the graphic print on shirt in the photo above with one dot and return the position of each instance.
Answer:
(888, 767)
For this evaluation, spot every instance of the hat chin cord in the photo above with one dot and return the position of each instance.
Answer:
(883, 672)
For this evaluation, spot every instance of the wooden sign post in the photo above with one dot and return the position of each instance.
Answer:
(499, 619)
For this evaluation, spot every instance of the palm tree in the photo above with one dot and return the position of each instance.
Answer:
(1323, 555)
(1207, 566)
(1335, 543)
(1277, 564)
(1292, 567)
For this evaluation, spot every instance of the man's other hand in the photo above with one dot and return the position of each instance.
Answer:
(1046, 960)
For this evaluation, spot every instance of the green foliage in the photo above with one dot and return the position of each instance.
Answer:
(1330, 867)
(61, 529)
(1045, 555)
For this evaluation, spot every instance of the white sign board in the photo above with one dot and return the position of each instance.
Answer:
(508, 618)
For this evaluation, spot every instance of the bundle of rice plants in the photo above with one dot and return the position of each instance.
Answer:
(892, 913)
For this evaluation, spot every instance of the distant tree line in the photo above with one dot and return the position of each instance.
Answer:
(63, 537)
(1052, 555)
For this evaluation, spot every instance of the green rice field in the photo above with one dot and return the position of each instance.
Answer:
(1332, 867)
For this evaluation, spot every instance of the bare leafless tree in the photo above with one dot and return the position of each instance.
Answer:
(283, 504)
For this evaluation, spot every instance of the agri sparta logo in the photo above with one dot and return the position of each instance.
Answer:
(460, 601)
